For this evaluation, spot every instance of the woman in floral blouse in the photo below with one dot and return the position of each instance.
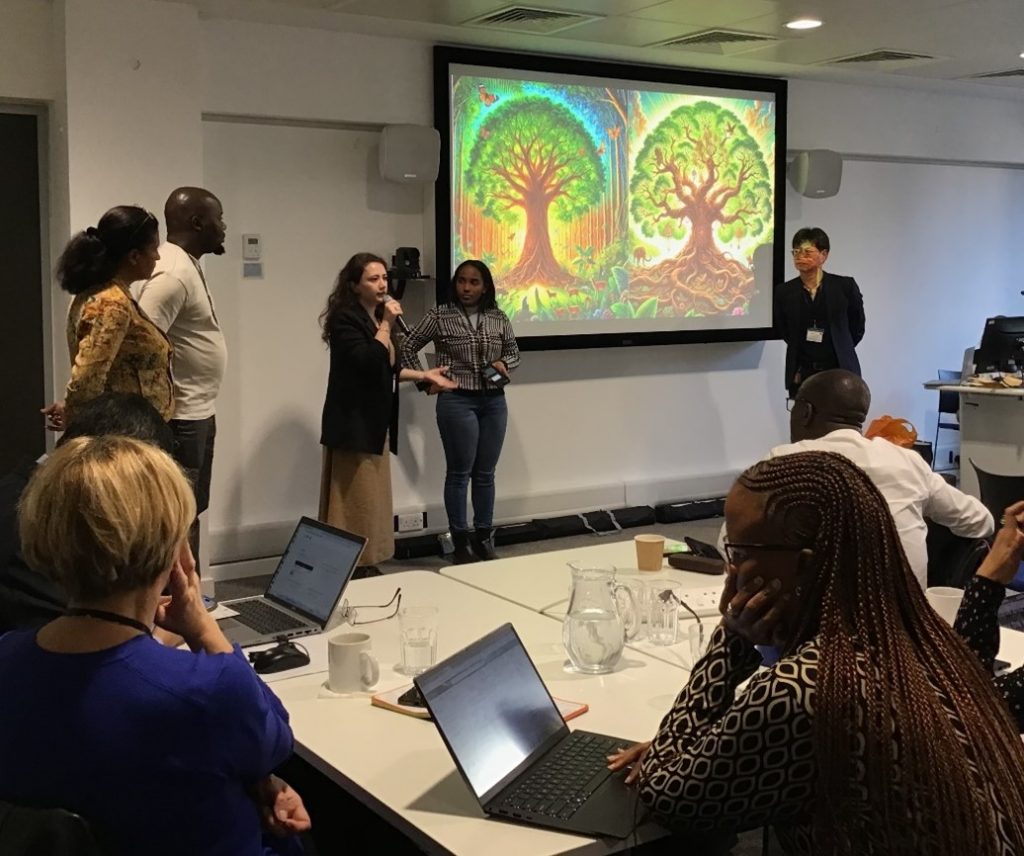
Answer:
(113, 346)
(877, 732)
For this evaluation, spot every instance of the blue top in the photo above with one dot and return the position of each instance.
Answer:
(153, 745)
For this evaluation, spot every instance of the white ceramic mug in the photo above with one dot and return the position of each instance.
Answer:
(351, 668)
(945, 601)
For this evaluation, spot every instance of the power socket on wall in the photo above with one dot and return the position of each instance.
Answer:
(414, 521)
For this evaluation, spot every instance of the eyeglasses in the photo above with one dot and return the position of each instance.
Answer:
(793, 402)
(350, 614)
(736, 554)
(804, 251)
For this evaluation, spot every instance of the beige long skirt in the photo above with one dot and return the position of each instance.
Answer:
(355, 495)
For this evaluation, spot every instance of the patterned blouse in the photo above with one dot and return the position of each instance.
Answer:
(722, 761)
(114, 347)
(467, 347)
(977, 622)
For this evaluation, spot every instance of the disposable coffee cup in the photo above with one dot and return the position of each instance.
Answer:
(945, 601)
(650, 550)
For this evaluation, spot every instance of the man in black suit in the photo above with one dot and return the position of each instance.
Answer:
(819, 315)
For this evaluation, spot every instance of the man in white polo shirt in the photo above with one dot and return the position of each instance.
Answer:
(179, 302)
(828, 415)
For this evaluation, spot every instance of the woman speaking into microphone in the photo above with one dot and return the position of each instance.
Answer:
(360, 415)
(475, 339)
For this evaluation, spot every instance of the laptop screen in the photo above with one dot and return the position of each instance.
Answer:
(315, 567)
(491, 707)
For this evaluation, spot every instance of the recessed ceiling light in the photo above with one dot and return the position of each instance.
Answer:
(1022, 56)
(804, 23)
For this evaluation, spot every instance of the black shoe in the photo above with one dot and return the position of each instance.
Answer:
(483, 544)
(463, 555)
(364, 571)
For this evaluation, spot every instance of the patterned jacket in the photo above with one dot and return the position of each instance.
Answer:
(725, 760)
(114, 347)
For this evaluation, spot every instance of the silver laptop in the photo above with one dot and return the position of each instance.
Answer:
(306, 587)
(515, 751)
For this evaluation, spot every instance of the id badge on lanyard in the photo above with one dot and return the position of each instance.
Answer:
(816, 335)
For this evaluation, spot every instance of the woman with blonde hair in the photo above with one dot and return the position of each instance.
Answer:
(164, 751)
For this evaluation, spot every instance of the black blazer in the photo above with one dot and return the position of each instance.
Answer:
(845, 311)
(361, 405)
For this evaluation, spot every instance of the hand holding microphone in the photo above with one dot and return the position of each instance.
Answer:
(393, 313)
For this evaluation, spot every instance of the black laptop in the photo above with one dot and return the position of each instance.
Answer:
(514, 749)
(306, 587)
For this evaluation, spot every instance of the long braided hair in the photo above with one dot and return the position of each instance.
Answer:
(896, 772)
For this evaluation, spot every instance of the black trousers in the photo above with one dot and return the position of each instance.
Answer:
(193, 450)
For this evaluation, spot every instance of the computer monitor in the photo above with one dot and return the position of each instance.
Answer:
(1002, 345)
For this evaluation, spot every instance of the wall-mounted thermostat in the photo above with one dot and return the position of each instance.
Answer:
(252, 248)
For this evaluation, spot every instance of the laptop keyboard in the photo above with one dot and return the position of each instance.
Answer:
(1011, 612)
(563, 781)
(264, 618)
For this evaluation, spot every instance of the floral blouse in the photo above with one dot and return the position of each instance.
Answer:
(114, 347)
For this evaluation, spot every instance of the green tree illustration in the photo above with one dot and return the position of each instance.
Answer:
(533, 158)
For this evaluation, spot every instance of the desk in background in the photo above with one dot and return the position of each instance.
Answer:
(991, 431)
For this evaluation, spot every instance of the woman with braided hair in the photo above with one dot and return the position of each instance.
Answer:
(877, 732)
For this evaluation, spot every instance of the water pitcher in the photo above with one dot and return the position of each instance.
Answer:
(602, 615)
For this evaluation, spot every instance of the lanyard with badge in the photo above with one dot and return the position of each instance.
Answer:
(815, 334)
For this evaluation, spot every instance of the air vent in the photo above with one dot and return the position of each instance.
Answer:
(995, 75)
(713, 37)
(531, 19)
(881, 55)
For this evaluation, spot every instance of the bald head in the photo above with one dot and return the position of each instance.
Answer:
(829, 401)
(195, 221)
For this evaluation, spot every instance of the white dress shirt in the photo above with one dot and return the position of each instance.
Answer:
(909, 486)
(177, 300)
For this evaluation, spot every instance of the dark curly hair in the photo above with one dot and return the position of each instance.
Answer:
(343, 297)
(93, 256)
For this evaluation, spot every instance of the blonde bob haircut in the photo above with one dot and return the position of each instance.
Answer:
(105, 515)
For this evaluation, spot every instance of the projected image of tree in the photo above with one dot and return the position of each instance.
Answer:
(533, 160)
(700, 178)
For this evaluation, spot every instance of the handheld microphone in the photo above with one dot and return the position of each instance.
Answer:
(398, 318)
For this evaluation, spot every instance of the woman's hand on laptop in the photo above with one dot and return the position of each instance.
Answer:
(184, 612)
(631, 758)
(1004, 558)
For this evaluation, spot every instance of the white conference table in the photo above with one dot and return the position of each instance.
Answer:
(399, 766)
(541, 582)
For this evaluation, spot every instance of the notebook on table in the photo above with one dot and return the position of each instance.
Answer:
(513, 748)
(304, 590)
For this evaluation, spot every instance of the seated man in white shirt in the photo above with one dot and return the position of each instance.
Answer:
(828, 414)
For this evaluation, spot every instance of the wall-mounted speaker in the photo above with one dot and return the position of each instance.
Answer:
(816, 173)
(410, 153)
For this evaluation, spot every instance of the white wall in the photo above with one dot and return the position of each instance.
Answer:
(591, 428)
(930, 245)
(26, 55)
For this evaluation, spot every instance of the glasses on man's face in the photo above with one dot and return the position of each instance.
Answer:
(791, 404)
(350, 612)
(736, 554)
(803, 251)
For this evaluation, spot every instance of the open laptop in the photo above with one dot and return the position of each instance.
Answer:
(306, 587)
(513, 748)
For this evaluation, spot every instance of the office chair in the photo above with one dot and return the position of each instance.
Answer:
(998, 492)
(949, 405)
(44, 832)
(952, 560)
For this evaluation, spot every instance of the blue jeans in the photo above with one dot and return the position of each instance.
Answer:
(472, 432)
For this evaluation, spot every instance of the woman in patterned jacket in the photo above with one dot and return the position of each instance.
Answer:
(877, 732)
(474, 338)
(113, 346)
